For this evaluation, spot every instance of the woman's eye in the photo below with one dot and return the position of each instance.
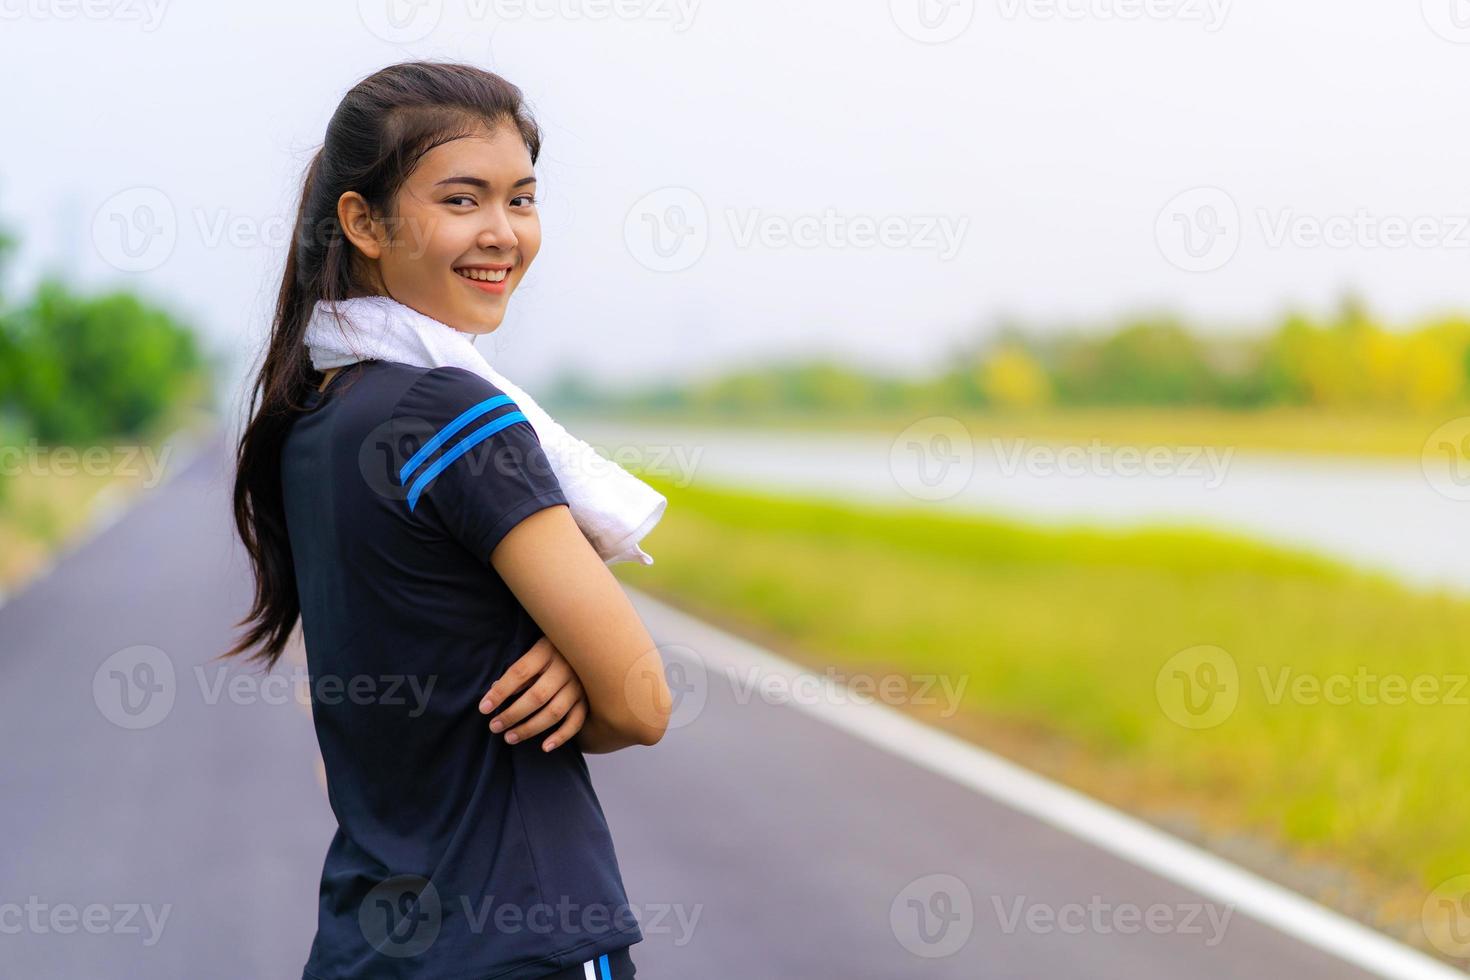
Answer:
(529, 199)
(459, 197)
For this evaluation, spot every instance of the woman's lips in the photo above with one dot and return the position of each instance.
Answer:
(485, 287)
(495, 288)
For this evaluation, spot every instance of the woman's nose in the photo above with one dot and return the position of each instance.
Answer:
(497, 232)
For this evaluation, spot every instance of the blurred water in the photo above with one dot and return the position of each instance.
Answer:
(1384, 515)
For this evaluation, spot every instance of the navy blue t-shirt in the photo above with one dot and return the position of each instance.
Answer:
(457, 856)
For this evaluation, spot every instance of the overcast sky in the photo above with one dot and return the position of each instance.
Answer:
(726, 182)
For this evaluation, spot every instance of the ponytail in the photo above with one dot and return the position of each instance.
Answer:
(275, 399)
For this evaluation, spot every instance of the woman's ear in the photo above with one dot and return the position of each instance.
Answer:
(358, 224)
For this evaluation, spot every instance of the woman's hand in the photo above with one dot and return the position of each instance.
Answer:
(554, 694)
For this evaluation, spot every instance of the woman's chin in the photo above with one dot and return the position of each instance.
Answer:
(483, 323)
(477, 318)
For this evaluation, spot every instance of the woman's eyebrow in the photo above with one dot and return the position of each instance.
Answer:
(484, 184)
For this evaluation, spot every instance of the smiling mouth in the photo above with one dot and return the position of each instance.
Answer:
(484, 273)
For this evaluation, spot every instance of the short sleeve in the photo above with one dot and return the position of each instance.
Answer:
(472, 464)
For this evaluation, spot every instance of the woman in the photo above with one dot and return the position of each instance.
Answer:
(436, 586)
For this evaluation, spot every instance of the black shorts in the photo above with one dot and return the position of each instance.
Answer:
(617, 965)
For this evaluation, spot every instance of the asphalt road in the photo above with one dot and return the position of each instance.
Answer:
(183, 836)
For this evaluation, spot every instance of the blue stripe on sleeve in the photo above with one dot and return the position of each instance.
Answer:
(602, 962)
(460, 448)
(464, 419)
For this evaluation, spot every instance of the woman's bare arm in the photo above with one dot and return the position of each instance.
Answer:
(569, 591)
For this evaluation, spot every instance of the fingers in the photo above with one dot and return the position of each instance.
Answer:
(552, 709)
(528, 701)
(570, 727)
(535, 693)
(558, 673)
(530, 665)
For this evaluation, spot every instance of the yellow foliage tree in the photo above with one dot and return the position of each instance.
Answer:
(1012, 378)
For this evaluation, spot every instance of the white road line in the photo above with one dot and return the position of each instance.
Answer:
(1066, 809)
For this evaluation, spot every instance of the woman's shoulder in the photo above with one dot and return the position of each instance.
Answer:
(449, 380)
(391, 388)
(390, 401)
(447, 393)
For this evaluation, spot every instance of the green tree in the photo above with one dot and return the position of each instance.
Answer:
(85, 368)
(1146, 362)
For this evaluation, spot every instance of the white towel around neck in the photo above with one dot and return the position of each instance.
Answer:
(614, 509)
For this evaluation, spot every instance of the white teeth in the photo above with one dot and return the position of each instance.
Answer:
(484, 275)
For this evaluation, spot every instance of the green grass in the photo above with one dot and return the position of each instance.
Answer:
(1060, 635)
(42, 506)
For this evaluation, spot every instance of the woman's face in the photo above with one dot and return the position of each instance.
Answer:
(466, 213)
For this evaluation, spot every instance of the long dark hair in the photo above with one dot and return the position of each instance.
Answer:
(381, 129)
